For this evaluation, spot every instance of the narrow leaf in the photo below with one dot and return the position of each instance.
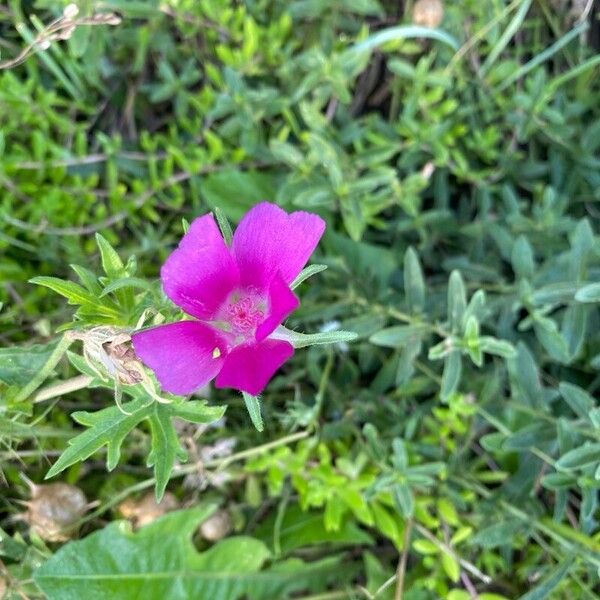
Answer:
(306, 273)
(457, 301)
(111, 261)
(414, 284)
(165, 447)
(74, 293)
(126, 282)
(589, 293)
(301, 340)
(545, 588)
(253, 406)
(451, 374)
(579, 458)
(224, 226)
(578, 399)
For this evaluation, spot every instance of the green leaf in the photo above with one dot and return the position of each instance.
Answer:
(579, 458)
(386, 523)
(126, 282)
(306, 273)
(301, 340)
(399, 454)
(505, 38)
(574, 328)
(451, 374)
(159, 561)
(476, 306)
(196, 411)
(335, 510)
(165, 447)
(299, 529)
(235, 192)
(522, 259)
(11, 548)
(555, 292)
(75, 294)
(404, 499)
(398, 336)
(406, 366)
(224, 226)
(88, 279)
(499, 534)
(356, 502)
(111, 262)
(589, 293)
(414, 284)
(537, 433)
(451, 566)
(471, 329)
(558, 481)
(524, 372)
(402, 32)
(253, 406)
(108, 427)
(457, 301)
(19, 364)
(578, 399)
(545, 588)
(549, 336)
(502, 348)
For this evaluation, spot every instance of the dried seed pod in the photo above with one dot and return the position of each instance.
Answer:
(216, 527)
(428, 13)
(147, 509)
(109, 353)
(54, 509)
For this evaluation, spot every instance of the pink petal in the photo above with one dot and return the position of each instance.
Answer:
(249, 368)
(184, 356)
(269, 240)
(201, 272)
(282, 301)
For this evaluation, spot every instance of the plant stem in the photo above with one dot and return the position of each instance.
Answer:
(401, 571)
(66, 340)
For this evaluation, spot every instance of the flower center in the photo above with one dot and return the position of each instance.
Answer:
(242, 313)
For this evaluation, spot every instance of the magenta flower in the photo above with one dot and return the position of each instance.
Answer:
(238, 295)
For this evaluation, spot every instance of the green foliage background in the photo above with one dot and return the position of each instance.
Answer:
(459, 174)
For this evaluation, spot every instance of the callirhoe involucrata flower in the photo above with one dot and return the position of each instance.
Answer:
(238, 295)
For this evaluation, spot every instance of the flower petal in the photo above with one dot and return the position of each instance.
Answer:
(269, 240)
(201, 272)
(282, 301)
(249, 368)
(184, 356)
